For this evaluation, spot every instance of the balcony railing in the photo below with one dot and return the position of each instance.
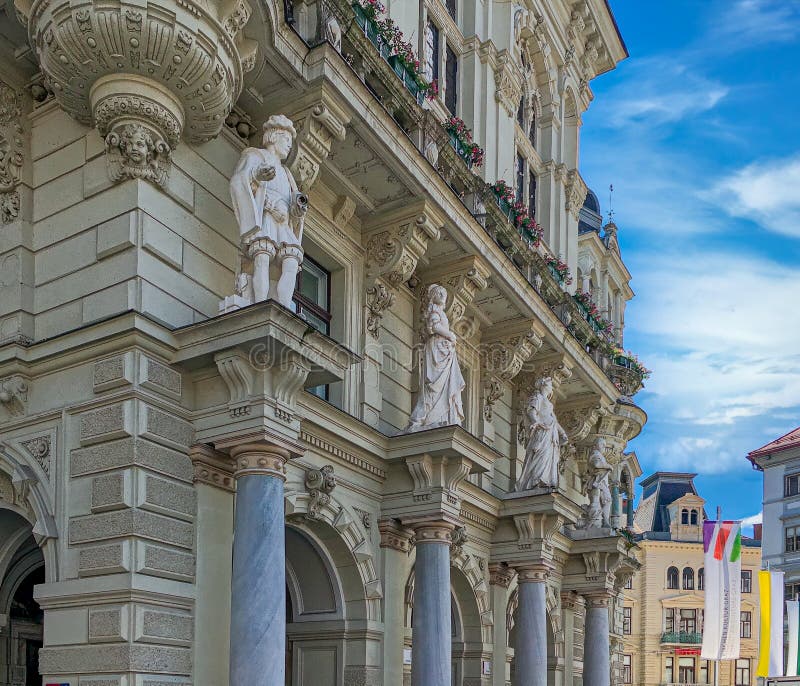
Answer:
(401, 93)
(682, 637)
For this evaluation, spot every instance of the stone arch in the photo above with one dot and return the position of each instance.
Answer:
(335, 526)
(24, 491)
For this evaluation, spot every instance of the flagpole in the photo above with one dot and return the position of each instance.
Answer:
(716, 662)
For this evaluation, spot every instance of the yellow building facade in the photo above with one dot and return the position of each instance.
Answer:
(663, 603)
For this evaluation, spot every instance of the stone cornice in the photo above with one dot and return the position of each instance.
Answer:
(212, 467)
(394, 535)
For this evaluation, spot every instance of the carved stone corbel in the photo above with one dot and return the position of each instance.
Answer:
(14, 394)
(535, 532)
(392, 255)
(508, 83)
(578, 417)
(318, 126)
(319, 484)
(143, 76)
(575, 191)
(503, 357)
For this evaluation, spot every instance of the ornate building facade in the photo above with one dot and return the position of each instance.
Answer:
(663, 602)
(202, 486)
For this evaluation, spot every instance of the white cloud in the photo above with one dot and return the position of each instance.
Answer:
(765, 192)
(754, 519)
(747, 23)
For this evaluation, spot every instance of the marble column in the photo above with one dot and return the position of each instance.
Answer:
(629, 510)
(258, 586)
(431, 648)
(500, 578)
(597, 642)
(530, 647)
(615, 505)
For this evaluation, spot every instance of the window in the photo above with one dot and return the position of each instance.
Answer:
(686, 670)
(532, 132)
(743, 672)
(626, 669)
(746, 625)
(688, 621)
(520, 177)
(701, 578)
(791, 485)
(684, 516)
(669, 666)
(792, 591)
(452, 8)
(312, 299)
(693, 517)
(688, 579)
(672, 577)
(521, 112)
(629, 582)
(792, 539)
(669, 620)
(312, 295)
(747, 581)
(626, 620)
(706, 672)
(451, 80)
(531, 192)
(431, 52)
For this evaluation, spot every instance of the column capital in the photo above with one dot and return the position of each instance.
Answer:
(261, 458)
(533, 572)
(394, 535)
(433, 531)
(212, 467)
(597, 599)
(570, 600)
(501, 574)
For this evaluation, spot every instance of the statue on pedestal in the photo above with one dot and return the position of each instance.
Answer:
(544, 439)
(270, 210)
(598, 512)
(439, 402)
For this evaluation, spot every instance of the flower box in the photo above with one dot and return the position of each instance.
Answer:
(407, 77)
(461, 151)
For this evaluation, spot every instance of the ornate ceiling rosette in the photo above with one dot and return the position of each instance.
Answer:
(173, 67)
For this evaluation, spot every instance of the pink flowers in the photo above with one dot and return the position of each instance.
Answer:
(518, 212)
(503, 191)
(562, 269)
(472, 151)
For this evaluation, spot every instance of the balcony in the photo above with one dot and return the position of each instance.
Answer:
(682, 637)
(627, 374)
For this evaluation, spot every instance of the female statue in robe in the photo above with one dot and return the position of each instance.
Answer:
(544, 440)
(439, 402)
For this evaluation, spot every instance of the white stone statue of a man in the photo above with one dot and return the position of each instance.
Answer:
(544, 440)
(270, 210)
(596, 487)
(439, 402)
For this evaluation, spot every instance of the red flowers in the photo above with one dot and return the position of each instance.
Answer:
(471, 150)
(562, 269)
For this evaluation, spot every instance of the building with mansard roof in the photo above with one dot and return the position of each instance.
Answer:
(243, 439)
(663, 602)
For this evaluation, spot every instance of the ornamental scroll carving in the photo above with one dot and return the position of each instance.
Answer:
(320, 484)
(11, 153)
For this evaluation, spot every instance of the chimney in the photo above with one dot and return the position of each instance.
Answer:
(757, 531)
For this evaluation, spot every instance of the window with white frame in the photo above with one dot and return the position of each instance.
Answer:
(431, 51)
(747, 581)
(451, 80)
(627, 620)
(626, 669)
(791, 485)
(743, 672)
(793, 539)
(669, 670)
(312, 300)
(746, 624)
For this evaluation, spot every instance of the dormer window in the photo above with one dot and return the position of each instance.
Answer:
(684, 516)
(693, 517)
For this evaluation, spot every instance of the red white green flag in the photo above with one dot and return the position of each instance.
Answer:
(722, 542)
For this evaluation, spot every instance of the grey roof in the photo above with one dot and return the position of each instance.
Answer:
(660, 490)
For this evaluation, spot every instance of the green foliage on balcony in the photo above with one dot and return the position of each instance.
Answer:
(683, 637)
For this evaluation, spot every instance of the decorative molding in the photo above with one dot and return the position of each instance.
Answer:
(320, 484)
(457, 540)
(508, 83)
(379, 299)
(261, 459)
(39, 449)
(394, 536)
(535, 532)
(212, 468)
(236, 371)
(533, 572)
(12, 144)
(576, 190)
(343, 210)
(343, 455)
(500, 574)
(136, 152)
(578, 418)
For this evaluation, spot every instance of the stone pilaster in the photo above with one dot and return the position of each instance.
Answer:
(395, 547)
(500, 578)
(431, 663)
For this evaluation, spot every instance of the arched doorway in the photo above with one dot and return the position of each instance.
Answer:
(21, 619)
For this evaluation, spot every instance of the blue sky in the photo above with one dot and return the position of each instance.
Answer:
(698, 131)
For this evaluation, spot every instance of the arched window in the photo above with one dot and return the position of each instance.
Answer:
(672, 577)
(684, 516)
(688, 579)
(521, 113)
(701, 579)
(694, 516)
